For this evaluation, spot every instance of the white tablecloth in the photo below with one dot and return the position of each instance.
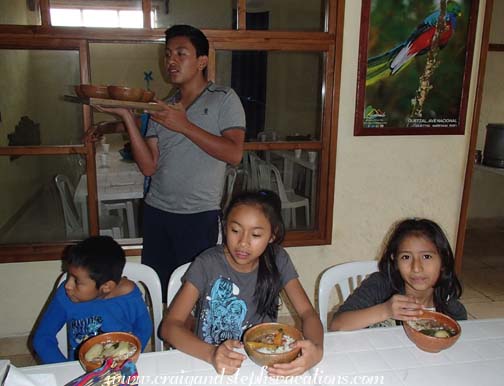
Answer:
(379, 356)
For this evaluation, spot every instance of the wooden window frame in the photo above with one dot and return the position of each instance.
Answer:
(72, 38)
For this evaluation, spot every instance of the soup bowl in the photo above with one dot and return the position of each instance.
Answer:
(429, 343)
(126, 93)
(260, 345)
(92, 353)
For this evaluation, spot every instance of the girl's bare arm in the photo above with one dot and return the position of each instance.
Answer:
(312, 348)
(399, 307)
(174, 331)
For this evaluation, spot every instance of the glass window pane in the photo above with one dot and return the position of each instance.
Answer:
(120, 189)
(282, 92)
(292, 174)
(287, 15)
(216, 14)
(19, 12)
(136, 60)
(97, 13)
(35, 90)
(31, 208)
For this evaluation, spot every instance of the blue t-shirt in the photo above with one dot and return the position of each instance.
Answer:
(127, 313)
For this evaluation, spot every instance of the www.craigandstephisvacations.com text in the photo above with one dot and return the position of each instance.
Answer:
(316, 377)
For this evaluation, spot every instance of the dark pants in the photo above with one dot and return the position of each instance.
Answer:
(171, 240)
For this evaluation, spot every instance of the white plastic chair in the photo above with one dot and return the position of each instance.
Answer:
(270, 178)
(119, 207)
(175, 282)
(229, 180)
(148, 281)
(145, 276)
(253, 170)
(347, 277)
(109, 225)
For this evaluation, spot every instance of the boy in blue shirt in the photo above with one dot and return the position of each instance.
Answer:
(95, 298)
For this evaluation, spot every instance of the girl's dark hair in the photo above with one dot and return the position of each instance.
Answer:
(196, 37)
(268, 285)
(103, 258)
(448, 285)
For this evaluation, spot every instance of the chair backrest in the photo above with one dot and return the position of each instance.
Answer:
(145, 276)
(148, 280)
(229, 180)
(347, 276)
(270, 178)
(73, 224)
(254, 160)
(175, 282)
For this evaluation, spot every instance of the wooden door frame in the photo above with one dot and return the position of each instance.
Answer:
(462, 225)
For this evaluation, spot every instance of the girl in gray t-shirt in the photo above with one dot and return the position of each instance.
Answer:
(237, 285)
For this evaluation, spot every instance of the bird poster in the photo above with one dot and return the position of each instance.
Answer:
(414, 67)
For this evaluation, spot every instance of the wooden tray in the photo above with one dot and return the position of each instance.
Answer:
(114, 103)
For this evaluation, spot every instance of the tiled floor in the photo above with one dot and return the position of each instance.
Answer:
(482, 279)
(483, 273)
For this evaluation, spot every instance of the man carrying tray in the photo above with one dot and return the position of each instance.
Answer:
(188, 143)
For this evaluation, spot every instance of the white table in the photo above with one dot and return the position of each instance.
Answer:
(119, 181)
(371, 356)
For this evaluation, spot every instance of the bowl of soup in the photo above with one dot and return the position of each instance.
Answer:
(270, 343)
(433, 331)
(117, 345)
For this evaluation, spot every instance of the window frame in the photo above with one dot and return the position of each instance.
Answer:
(78, 38)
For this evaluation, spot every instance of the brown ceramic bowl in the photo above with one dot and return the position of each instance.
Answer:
(106, 338)
(255, 333)
(78, 91)
(148, 96)
(431, 343)
(93, 91)
(126, 93)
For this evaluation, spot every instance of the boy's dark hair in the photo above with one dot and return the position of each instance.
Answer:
(197, 38)
(268, 285)
(448, 285)
(101, 256)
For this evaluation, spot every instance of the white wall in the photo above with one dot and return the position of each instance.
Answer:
(378, 181)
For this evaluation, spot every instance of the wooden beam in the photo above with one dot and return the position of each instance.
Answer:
(459, 248)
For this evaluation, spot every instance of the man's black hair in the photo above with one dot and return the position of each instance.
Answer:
(197, 38)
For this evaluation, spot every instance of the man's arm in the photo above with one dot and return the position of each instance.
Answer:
(227, 148)
(145, 152)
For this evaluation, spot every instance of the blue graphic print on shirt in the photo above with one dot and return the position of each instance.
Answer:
(224, 313)
(81, 329)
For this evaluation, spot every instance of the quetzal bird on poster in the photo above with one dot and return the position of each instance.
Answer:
(418, 43)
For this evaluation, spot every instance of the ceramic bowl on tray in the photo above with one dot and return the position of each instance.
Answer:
(433, 332)
(130, 94)
(148, 96)
(269, 343)
(119, 345)
(78, 91)
(92, 91)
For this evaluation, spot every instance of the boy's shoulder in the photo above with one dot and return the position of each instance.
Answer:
(125, 287)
